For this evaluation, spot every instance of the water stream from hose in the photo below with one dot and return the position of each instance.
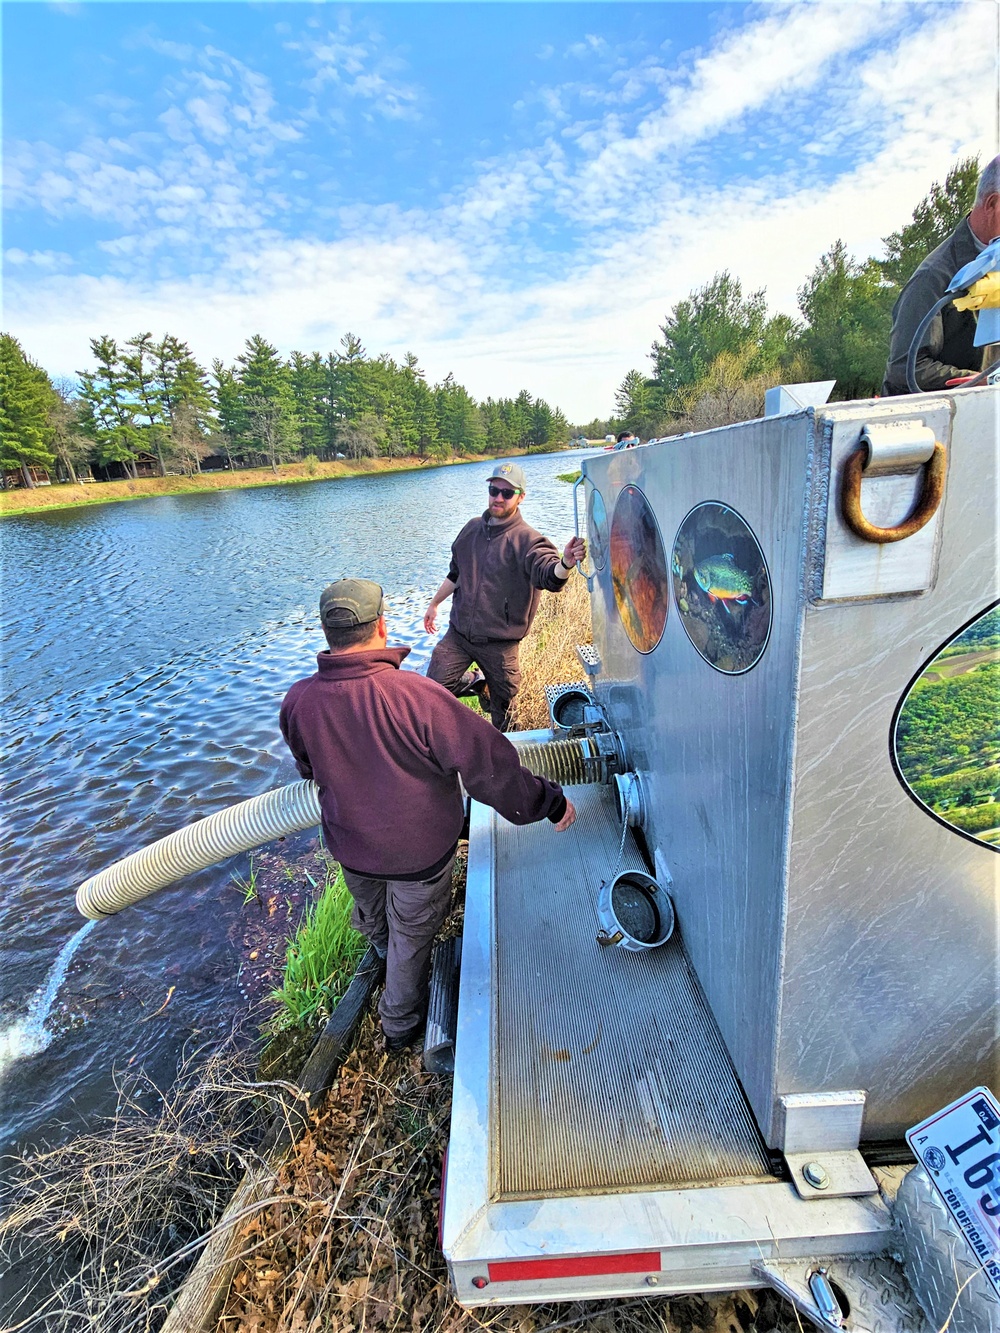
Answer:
(29, 1035)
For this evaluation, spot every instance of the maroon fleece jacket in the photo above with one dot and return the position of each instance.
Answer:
(386, 748)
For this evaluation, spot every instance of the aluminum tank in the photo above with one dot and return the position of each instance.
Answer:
(755, 653)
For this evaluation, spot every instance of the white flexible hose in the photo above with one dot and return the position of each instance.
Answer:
(238, 829)
(202, 844)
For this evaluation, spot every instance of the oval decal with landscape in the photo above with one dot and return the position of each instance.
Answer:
(946, 737)
(597, 527)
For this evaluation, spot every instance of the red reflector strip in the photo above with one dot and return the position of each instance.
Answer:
(587, 1265)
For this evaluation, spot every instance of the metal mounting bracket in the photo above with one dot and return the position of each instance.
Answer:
(830, 1175)
(880, 1298)
(590, 658)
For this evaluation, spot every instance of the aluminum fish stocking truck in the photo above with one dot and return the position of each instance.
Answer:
(692, 1036)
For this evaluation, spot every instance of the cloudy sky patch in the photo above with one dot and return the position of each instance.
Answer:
(518, 194)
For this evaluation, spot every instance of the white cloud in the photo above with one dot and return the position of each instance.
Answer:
(467, 285)
(342, 62)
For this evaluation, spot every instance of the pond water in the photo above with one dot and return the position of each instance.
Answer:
(147, 647)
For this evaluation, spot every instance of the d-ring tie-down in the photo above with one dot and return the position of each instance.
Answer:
(891, 448)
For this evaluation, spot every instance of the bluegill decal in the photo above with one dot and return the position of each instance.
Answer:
(722, 580)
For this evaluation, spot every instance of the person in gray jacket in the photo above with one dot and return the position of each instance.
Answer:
(947, 351)
(499, 569)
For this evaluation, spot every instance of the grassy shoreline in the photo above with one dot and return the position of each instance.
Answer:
(65, 495)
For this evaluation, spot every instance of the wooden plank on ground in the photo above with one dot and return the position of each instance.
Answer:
(199, 1301)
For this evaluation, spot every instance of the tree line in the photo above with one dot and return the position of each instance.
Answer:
(148, 404)
(720, 349)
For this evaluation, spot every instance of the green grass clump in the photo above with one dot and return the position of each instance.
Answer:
(568, 476)
(320, 959)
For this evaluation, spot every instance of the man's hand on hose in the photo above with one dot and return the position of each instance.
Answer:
(567, 818)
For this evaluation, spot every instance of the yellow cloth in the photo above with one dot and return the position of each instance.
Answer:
(983, 294)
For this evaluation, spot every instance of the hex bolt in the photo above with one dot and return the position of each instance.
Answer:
(816, 1175)
(652, 1280)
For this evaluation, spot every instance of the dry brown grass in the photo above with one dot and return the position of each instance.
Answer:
(99, 1233)
(548, 654)
(24, 501)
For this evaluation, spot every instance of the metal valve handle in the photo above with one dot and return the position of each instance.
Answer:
(576, 532)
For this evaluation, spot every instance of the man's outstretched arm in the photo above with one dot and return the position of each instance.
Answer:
(491, 769)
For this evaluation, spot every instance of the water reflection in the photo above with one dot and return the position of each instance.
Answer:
(597, 526)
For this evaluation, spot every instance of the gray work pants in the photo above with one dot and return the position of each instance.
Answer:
(401, 916)
(497, 659)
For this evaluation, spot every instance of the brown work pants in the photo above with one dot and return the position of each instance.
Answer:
(496, 659)
(402, 917)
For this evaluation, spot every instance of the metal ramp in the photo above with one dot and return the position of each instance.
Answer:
(609, 1073)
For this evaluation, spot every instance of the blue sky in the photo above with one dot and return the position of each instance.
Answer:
(516, 192)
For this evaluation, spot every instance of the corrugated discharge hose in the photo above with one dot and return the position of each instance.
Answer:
(199, 845)
(562, 761)
(259, 820)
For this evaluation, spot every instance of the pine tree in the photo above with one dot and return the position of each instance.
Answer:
(139, 372)
(110, 414)
(266, 400)
(26, 404)
(848, 312)
(634, 405)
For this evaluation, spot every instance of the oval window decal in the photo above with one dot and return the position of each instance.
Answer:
(946, 737)
(638, 570)
(597, 527)
(721, 587)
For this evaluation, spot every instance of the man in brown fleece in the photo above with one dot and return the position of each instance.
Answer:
(499, 568)
(386, 748)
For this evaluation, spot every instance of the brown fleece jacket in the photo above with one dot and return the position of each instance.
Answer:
(386, 748)
(500, 570)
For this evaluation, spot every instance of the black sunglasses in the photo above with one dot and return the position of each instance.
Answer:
(505, 491)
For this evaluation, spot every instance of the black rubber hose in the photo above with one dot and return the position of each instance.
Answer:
(918, 337)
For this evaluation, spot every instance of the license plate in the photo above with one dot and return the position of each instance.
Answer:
(960, 1148)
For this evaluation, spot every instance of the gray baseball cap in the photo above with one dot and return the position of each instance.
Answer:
(350, 602)
(512, 474)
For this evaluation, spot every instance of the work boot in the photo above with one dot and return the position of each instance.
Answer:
(404, 1040)
(482, 692)
(470, 684)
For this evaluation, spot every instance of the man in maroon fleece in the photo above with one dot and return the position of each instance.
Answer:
(386, 748)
